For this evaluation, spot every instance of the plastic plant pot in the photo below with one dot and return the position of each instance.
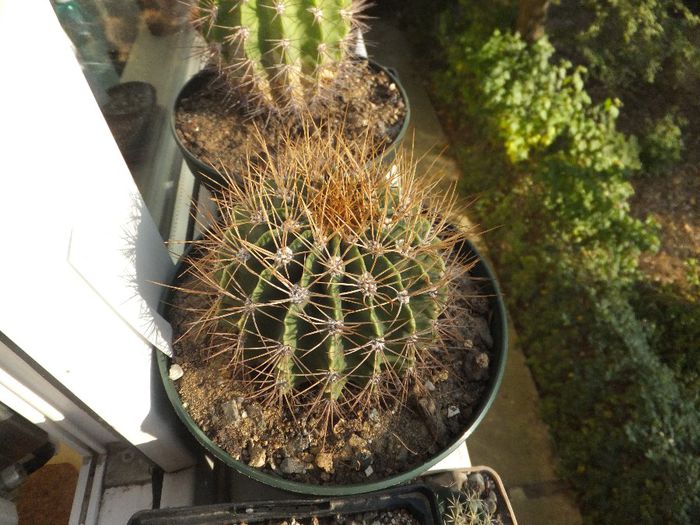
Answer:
(419, 500)
(499, 331)
(211, 177)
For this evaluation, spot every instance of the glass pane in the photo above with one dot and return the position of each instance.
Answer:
(135, 56)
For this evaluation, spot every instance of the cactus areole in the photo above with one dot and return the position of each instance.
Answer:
(281, 53)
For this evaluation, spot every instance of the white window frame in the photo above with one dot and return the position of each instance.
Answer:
(81, 257)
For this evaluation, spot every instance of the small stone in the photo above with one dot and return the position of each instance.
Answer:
(257, 456)
(292, 466)
(369, 471)
(357, 442)
(231, 412)
(476, 483)
(324, 461)
(477, 366)
(468, 344)
(491, 502)
(364, 459)
(392, 87)
(452, 411)
(429, 386)
(175, 372)
(428, 405)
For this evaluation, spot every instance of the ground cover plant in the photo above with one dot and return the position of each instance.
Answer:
(610, 349)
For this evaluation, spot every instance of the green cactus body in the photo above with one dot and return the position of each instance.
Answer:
(278, 49)
(343, 314)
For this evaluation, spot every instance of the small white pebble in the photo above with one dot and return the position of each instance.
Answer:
(392, 87)
(429, 386)
(369, 471)
(249, 510)
(452, 411)
(175, 372)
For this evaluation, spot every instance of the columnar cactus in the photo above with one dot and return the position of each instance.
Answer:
(282, 53)
(331, 277)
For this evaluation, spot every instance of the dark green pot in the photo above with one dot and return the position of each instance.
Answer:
(499, 331)
(212, 178)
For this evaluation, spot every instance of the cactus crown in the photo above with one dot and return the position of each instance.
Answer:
(282, 54)
(329, 276)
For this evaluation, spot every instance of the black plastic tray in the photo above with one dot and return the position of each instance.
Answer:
(419, 500)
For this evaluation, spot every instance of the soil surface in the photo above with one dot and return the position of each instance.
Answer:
(674, 201)
(374, 444)
(218, 131)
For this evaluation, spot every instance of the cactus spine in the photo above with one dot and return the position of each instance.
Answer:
(282, 53)
(329, 277)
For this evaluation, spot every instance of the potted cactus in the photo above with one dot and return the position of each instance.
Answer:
(334, 332)
(472, 496)
(270, 62)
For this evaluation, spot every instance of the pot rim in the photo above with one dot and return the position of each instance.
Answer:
(208, 174)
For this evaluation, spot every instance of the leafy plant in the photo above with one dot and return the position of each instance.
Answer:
(330, 282)
(630, 43)
(537, 107)
(279, 54)
(623, 417)
(662, 143)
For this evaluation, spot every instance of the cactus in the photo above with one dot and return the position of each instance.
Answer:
(329, 277)
(469, 508)
(282, 54)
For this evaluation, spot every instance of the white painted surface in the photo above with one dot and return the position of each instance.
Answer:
(120, 503)
(30, 394)
(63, 179)
(458, 459)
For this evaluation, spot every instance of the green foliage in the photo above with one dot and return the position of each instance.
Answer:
(537, 107)
(692, 273)
(626, 428)
(661, 143)
(671, 317)
(629, 43)
(282, 53)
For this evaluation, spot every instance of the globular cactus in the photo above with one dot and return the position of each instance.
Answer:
(469, 508)
(329, 277)
(281, 53)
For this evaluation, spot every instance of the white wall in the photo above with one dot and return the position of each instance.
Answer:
(80, 252)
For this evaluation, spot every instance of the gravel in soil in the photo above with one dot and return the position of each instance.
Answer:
(373, 443)
(218, 131)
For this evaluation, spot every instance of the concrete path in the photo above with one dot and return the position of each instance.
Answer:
(512, 439)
